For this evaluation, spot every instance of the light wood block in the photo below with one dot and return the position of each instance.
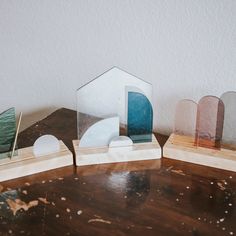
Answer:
(137, 152)
(182, 148)
(26, 163)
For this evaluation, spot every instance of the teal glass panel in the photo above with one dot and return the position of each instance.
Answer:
(7, 132)
(140, 118)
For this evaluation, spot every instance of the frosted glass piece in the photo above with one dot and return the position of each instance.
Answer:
(105, 96)
(101, 133)
(45, 145)
(7, 132)
(140, 117)
(84, 121)
(185, 118)
(121, 141)
(210, 118)
(229, 129)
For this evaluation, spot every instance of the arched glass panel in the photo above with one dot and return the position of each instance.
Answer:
(210, 118)
(229, 129)
(185, 118)
(140, 117)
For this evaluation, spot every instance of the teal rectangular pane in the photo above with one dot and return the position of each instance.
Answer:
(7, 132)
(140, 118)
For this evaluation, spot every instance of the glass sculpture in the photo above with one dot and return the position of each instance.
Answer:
(113, 104)
(229, 129)
(7, 132)
(210, 118)
(185, 118)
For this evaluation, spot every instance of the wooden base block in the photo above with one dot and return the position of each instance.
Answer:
(25, 163)
(137, 152)
(182, 148)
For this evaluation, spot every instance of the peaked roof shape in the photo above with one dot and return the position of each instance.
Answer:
(106, 95)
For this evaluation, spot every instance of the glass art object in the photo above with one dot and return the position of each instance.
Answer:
(210, 118)
(229, 129)
(105, 106)
(185, 118)
(140, 118)
(45, 145)
(7, 132)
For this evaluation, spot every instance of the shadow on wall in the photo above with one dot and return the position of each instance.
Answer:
(29, 119)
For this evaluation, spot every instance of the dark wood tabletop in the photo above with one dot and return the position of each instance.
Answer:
(161, 197)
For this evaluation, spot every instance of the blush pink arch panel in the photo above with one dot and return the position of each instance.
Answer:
(210, 119)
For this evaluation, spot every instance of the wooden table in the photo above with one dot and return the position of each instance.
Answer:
(164, 197)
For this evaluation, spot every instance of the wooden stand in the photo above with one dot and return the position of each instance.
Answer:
(26, 163)
(137, 152)
(182, 148)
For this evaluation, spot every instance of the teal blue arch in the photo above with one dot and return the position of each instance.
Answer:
(140, 118)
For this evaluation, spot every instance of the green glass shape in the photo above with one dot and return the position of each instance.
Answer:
(7, 132)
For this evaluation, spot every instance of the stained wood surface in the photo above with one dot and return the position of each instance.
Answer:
(163, 197)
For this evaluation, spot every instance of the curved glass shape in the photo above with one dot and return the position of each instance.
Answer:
(229, 129)
(185, 118)
(140, 118)
(210, 118)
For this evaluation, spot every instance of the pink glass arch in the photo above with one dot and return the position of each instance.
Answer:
(185, 118)
(210, 118)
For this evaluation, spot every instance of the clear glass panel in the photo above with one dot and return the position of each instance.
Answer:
(106, 97)
(185, 118)
(140, 118)
(210, 118)
(229, 130)
(7, 132)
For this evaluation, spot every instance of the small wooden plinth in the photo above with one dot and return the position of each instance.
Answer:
(137, 152)
(26, 163)
(182, 148)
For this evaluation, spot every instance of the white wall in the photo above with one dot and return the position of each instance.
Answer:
(187, 49)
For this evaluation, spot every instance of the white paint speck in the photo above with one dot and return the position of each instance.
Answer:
(199, 218)
(223, 228)
(210, 197)
(212, 182)
(79, 212)
(222, 219)
(177, 200)
(68, 210)
(63, 198)
(231, 233)
(187, 187)
(230, 177)
(230, 204)
(10, 231)
(43, 182)
(57, 215)
(226, 212)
